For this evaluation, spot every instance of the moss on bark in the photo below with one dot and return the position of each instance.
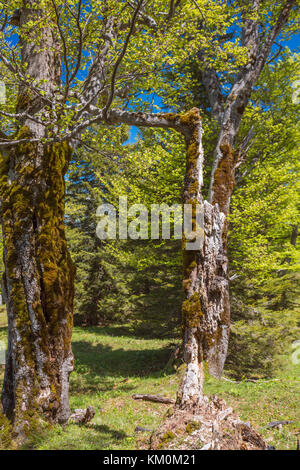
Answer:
(39, 276)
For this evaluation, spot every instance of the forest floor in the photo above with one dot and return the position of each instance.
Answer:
(112, 364)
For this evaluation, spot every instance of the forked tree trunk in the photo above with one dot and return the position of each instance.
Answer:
(39, 274)
(205, 309)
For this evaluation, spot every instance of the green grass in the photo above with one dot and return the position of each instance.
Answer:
(111, 364)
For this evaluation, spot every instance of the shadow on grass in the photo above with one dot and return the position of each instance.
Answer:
(131, 331)
(103, 428)
(96, 366)
(105, 436)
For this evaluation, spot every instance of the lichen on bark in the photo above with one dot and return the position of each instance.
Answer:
(190, 390)
(39, 283)
(205, 309)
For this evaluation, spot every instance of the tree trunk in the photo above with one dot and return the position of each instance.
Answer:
(39, 274)
(213, 262)
(38, 282)
(205, 309)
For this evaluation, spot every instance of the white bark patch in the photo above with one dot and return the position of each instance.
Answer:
(191, 390)
(213, 280)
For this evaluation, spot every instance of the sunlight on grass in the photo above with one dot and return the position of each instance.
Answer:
(111, 364)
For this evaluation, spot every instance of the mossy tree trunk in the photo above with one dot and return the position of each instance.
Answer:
(38, 284)
(39, 274)
(205, 309)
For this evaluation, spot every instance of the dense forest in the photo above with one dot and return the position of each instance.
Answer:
(170, 104)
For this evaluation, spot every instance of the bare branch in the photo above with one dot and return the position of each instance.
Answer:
(12, 143)
(80, 44)
(199, 9)
(65, 53)
(164, 121)
(250, 30)
(120, 58)
(276, 55)
(244, 147)
(213, 89)
(265, 48)
(144, 18)
(95, 82)
(20, 116)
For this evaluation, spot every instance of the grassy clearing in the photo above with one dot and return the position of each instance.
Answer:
(111, 364)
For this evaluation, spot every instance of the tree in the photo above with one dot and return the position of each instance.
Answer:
(207, 273)
(50, 116)
(59, 88)
(142, 278)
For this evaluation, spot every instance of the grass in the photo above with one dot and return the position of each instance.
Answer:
(111, 364)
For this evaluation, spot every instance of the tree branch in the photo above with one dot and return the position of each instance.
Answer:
(95, 82)
(65, 52)
(120, 58)
(213, 90)
(164, 121)
(146, 19)
(265, 48)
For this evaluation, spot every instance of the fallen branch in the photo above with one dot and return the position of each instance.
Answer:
(155, 398)
(141, 429)
(278, 424)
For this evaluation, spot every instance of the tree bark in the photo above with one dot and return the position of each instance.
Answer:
(39, 273)
(212, 263)
(205, 309)
(38, 283)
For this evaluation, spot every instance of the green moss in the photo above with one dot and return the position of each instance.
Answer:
(190, 117)
(192, 311)
(224, 179)
(24, 100)
(186, 284)
(194, 187)
(166, 438)
(192, 426)
(191, 306)
(36, 196)
(189, 260)
(6, 438)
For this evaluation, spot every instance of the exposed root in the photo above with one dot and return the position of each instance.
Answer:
(82, 416)
(213, 426)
